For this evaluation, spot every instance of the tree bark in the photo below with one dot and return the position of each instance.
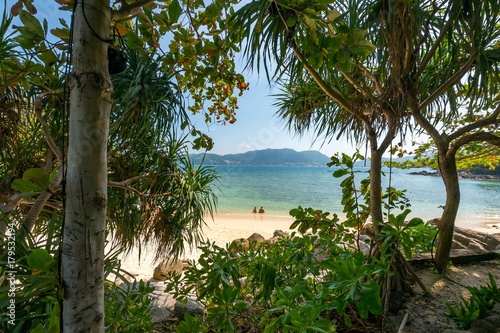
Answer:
(448, 167)
(86, 201)
(376, 188)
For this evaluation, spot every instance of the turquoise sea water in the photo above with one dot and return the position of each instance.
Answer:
(281, 188)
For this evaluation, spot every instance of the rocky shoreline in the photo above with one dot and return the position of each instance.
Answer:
(461, 174)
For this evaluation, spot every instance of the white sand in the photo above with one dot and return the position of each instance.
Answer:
(229, 226)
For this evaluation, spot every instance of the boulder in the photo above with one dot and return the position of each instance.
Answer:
(192, 307)
(489, 324)
(280, 233)
(169, 265)
(256, 238)
(240, 244)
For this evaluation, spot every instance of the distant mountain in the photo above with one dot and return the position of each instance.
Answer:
(265, 157)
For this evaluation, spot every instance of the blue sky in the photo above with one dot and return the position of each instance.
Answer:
(257, 127)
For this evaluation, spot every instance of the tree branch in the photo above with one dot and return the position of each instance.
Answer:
(356, 86)
(373, 77)
(435, 46)
(40, 202)
(494, 118)
(126, 9)
(448, 84)
(12, 204)
(479, 136)
(324, 86)
(45, 127)
(125, 186)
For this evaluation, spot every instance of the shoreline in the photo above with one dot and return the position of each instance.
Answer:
(226, 227)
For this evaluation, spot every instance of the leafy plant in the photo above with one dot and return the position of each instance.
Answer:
(474, 308)
(282, 286)
(127, 308)
(396, 232)
(32, 282)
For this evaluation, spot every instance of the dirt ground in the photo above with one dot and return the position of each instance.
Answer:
(428, 313)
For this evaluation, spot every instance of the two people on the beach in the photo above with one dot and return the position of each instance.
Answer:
(261, 210)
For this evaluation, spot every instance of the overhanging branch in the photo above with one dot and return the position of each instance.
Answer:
(479, 136)
(494, 118)
(126, 10)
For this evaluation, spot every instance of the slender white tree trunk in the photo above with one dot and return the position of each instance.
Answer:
(86, 201)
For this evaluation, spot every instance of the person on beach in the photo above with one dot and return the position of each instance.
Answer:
(261, 210)
(254, 210)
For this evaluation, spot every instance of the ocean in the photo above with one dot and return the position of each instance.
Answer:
(281, 188)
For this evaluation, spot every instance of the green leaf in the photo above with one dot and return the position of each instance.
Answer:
(291, 21)
(212, 11)
(174, 11)
(414, 222)
(332, 15)
(34, 181)
(38, 329)
(362, 48)
(26, 188)
(32, 24)
(54, 321)
(40, 259)
(61, 33)
(340, 172)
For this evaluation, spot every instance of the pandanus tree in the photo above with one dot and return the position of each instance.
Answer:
(121, 133)
(335, 81)
(363, 69)
(453, 92)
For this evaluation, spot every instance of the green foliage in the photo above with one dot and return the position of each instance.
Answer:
(356, 202)
(192, 324)
(127, 308)
(33, 182)
(474, 308)
(280, 286)
(395, 231)
(30, 277)
(33, 269)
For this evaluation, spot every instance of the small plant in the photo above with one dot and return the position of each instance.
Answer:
(474, 308)
(127, 308)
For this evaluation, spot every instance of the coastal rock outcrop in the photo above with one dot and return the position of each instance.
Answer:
(256, 238)
(169, 265)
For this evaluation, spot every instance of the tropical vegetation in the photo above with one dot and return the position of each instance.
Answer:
(95, 132)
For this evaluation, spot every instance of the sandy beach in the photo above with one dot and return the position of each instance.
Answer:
(226, 227)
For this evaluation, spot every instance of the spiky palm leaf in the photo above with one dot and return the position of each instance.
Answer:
(157, 197)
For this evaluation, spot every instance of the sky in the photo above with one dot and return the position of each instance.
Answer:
(258, 128)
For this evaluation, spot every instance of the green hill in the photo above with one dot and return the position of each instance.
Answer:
(265, 157)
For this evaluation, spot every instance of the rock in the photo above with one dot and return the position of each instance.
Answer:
(488, 242)
(489, 324)
(169, 265)
(280, 233)
(161, 299)
(160, 314)
(192, 307)
(240, 244)
(256, 238)
(477, 246)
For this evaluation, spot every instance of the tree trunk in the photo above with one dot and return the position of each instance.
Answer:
(376, 188)
(448, 167)
(86, 201)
